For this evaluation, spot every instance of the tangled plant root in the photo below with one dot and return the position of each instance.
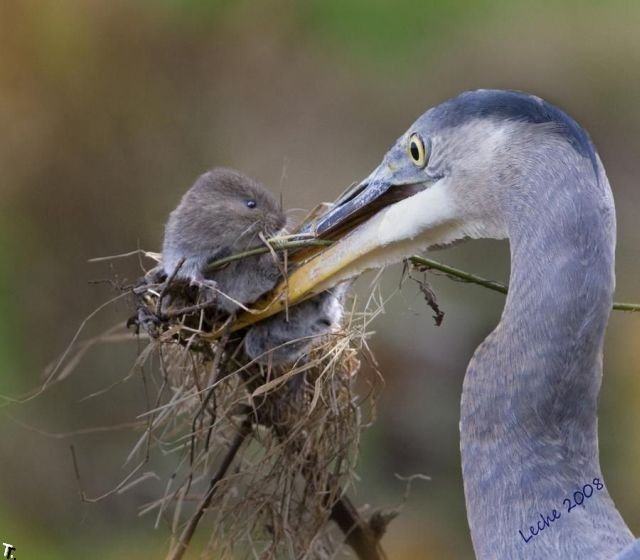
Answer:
(266, 452)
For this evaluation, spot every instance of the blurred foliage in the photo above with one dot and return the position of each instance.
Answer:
(109, 109)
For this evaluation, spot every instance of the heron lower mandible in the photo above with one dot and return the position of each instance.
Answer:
(503, 164)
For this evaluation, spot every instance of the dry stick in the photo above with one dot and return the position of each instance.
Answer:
(457, 274)
(203, 406)
(622, 306)
(185, 538)
(283, 271)
(189, 309)
(450, 271)
(273, 245)
(359, 534)
(167, 285)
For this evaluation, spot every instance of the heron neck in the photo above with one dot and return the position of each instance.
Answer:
(529, 403)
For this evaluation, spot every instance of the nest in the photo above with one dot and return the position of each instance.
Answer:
(267, 453)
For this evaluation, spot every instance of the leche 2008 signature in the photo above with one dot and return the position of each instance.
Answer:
(578, 498)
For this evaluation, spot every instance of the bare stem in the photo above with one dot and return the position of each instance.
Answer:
(461, 275)
(270, 246)
(359, 534)
(457, 274)
(187, 534)
(621, 306)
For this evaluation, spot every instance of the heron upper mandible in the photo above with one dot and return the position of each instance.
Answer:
(505, 164)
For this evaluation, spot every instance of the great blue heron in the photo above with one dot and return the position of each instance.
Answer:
(503, 164)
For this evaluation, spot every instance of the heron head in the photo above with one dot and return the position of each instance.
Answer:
(452, 175)
(438, 183)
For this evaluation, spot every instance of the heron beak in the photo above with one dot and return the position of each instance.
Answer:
(362, 201)
(353, 207)
(358, 223)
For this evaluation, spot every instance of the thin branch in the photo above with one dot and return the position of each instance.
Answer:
(189, 309)
(621, 306)
(272, 245)
(461, 275)
(359, 534)
(117, 489)
(167, 285)
(457, 274)
(187, 534)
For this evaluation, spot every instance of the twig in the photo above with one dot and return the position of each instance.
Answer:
(138, 252)
(122, 484)
(74, 433)
(185, 538)
(167, 285)
(283, 270)
(189, 309)
(429, 296)
(457, 274)
(360, 536)
(620, 306)
(203, 406)
(76, 470)
(272, 245)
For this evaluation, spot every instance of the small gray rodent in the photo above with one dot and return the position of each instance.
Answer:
(278, 341)
(221, 214)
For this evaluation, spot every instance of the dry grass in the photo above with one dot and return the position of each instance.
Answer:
(266, 453)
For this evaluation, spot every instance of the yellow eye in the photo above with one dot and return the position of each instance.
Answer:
(417, 150)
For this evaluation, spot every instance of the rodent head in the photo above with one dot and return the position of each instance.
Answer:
(232, 208)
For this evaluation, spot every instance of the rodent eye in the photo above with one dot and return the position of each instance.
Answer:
(250, 203)
(418, 151)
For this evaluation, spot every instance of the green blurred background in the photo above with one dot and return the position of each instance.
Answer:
(109, 109)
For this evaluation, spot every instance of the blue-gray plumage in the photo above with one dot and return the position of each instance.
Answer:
(513, 106)
(505, 164)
